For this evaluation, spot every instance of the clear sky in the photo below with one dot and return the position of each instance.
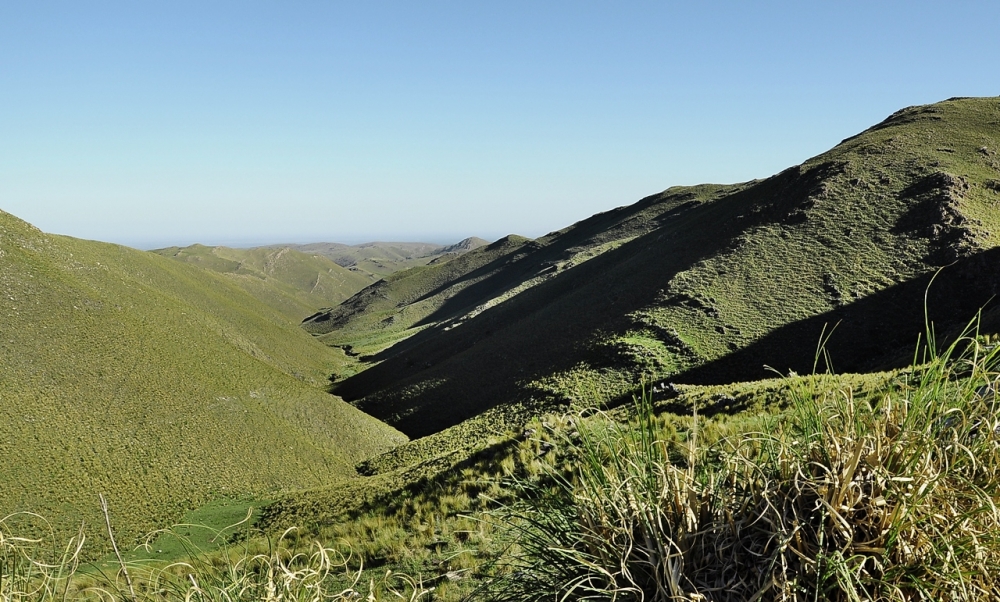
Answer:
(158, 123)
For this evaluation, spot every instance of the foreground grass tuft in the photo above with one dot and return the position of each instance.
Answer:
(888, 497)
(32, 571)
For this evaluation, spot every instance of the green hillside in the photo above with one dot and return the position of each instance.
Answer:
(673, 285)
(294, 283)
(390, 309)
(166, 386)
(380, 259)
(159, 384)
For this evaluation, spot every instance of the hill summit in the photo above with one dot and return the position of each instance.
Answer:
(709, 283)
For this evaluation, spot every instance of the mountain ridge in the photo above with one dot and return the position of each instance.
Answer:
(686, 277)
(379, 259)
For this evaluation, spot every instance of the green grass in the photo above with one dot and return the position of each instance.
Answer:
(294, 283)
(203, 530)
(703, 284)
(34, 569)
(159, 384)
(886, 496)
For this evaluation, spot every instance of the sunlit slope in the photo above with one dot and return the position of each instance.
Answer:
(448, 294)
(294, 283)
(718, 270)
(156, 383)
(379, 259)
(388, 309)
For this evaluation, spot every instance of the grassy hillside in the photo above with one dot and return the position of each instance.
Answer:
(380, 259)
(158, 384)
(692, 275)
(294, 283)
(818, 487)
(392, 307)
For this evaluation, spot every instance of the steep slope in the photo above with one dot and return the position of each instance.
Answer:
(158, 384)
(387, 310)
(714, 270)
(449, 294)
(294, 283)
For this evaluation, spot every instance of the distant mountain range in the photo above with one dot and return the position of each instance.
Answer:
(383, 258)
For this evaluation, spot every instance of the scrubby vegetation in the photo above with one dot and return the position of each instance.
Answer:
(891, 496)
(532, 475)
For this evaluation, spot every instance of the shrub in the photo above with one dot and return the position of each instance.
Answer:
(888, 497)
(31, 572)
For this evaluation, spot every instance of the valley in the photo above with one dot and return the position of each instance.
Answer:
(405, 404)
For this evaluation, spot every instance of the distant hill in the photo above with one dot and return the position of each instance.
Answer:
(383, 258)
(701, 284)
(294, 283)
(390, 309)
(158, 384)
(464, 245)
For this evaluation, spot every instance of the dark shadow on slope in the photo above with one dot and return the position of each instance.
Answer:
(518, 248)
(524, 263)
(522, 269)
(445, 377)
(874, 333)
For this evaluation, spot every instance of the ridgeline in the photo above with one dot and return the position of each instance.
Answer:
(703, 284)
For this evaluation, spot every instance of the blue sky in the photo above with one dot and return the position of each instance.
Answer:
(152, 124)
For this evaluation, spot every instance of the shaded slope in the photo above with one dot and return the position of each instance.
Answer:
(294, 283)
(386, 310)
(711, 276)
(450, 294)
(877, 332)
(156, 383)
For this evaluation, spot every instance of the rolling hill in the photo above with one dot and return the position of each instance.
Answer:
(294, 283)
(704, 284)
(159, 384)
(380, 259)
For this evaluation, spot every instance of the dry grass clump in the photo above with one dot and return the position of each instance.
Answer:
(31, 572)
(891, 497)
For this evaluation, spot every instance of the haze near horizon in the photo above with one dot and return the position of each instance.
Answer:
(249, 123)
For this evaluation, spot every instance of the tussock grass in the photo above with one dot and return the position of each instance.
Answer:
(32, 570)
(888, 497)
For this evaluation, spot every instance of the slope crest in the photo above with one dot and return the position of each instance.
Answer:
(715, 276)
(157, 383)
